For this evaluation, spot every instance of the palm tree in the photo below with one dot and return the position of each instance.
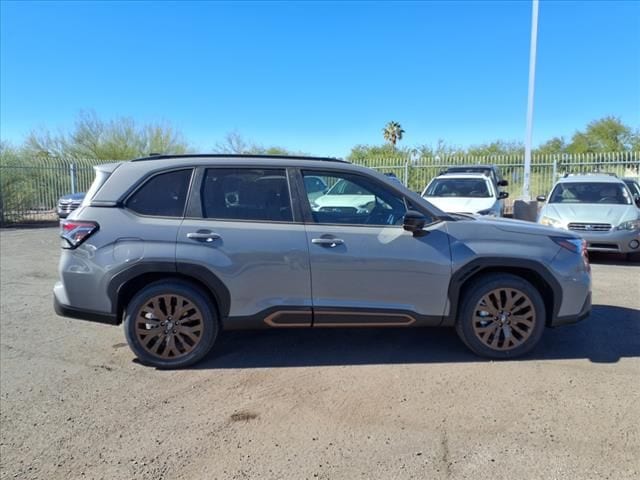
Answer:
(393, 133)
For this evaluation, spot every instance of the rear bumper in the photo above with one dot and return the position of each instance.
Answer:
(585, 311)
(65, 310)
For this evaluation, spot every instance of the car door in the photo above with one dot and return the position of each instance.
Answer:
(240, 226)
(365, 268)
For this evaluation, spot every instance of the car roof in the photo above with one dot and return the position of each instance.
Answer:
(477, 176)
(475, 167)
(590, 178)
(124, 175)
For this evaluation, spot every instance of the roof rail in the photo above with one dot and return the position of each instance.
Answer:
(479, 170)
(159, 156)
(584, 174)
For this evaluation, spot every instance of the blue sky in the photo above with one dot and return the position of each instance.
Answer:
(320, 77)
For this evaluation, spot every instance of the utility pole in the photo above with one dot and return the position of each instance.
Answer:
(526, 195)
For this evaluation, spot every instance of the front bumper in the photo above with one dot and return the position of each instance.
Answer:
(613, 241)
(585, 311)
(64, 211)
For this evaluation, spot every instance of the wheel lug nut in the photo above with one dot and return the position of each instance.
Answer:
(174, 331)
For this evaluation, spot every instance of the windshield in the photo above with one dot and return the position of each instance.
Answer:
(633, 186)
(590, 192)
(458, 187)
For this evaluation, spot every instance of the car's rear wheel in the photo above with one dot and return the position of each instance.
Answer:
(170, 324)
(502, 316)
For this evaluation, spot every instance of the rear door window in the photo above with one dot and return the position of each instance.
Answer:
(246, 194)
(163, 195)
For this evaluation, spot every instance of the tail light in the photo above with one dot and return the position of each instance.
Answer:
(75, 232)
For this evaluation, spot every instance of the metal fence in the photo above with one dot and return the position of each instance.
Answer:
(30, 188)
(416, 173)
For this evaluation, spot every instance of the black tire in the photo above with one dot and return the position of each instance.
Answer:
(196, 341)
(468, 324)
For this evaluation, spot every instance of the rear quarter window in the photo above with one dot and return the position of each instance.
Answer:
(163, 195)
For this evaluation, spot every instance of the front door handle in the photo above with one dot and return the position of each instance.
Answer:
(203, 236)
(327, 242)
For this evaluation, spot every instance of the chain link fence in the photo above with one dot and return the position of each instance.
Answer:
(30, 189)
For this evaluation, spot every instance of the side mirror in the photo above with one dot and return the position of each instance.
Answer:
(503, 183)
(541, 198)
(414, 222)
(503, 195)
(638, 202)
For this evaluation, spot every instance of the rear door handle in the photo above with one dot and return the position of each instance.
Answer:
(327, 242)
(203, 236)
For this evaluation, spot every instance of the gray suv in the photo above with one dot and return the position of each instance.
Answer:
(178, 248)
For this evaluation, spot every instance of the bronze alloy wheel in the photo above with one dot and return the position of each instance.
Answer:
(504, 318)
(169, 326)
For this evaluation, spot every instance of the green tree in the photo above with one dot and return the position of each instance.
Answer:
(393, 133)
(117, 139)
(498, 147)
(551, 147)
(607, 134)
(234, 143)
(441, 150)
(17, 187)
(366, 154)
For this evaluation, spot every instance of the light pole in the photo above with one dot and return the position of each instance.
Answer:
(532, 80)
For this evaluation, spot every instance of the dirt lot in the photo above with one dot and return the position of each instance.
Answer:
(313, 404)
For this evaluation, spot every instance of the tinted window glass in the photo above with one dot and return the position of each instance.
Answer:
(314, 184)
(354, 200)
(164, 195)
(246, 194)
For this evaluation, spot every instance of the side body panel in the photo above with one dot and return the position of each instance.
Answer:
(506, 243)
(381, 269)
(123, 241)
(264, 265)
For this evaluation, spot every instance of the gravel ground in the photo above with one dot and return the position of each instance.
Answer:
(313, 404)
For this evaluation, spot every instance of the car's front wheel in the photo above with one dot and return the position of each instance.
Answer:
(170, 324)
(502, 316)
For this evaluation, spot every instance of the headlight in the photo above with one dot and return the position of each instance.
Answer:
(552, 222)
(630, 225)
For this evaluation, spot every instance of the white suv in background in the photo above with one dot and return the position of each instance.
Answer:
(465, 193)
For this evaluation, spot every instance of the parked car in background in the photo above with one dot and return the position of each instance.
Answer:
(466, 193)
(598, 207)
(68, 203)
(179, 247)
(315, 186)
(344, 196)
(492, 170)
